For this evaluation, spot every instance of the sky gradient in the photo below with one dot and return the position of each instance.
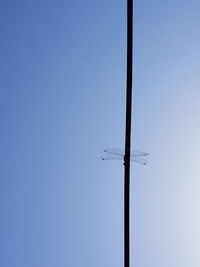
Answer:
(62, 100)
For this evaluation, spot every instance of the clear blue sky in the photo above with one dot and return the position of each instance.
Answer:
(62, 100)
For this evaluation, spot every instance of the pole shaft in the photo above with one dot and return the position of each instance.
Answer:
(128, 133)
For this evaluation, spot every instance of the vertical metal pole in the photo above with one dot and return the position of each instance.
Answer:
(128, 133)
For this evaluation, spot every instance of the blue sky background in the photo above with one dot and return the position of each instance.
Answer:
(62, 100)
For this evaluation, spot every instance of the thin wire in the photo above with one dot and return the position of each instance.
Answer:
(128, 133)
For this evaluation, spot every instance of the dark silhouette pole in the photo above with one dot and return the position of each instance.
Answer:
(128, 133)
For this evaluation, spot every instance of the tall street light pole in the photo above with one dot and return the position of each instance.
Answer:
(128, 133)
